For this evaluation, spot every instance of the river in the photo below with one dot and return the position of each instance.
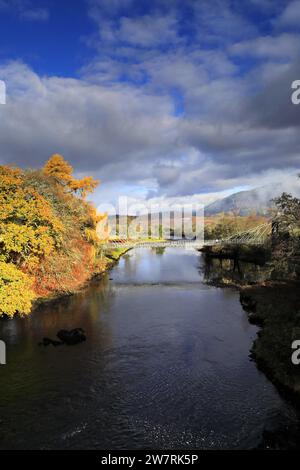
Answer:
(165, 365)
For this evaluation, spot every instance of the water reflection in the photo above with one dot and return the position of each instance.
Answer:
(230, 271)
(165, 365)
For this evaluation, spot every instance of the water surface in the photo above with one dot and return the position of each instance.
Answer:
(166, 365)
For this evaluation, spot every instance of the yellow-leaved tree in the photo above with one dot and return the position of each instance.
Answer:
(84, 186)
(58, 168)
(16, 294)
(48, 233)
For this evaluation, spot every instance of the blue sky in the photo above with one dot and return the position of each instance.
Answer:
(53, 36)
(163, 100)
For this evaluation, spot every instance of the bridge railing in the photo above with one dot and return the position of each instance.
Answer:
(155, 244)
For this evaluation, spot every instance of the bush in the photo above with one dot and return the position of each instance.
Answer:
(16, 294)
(48, 234)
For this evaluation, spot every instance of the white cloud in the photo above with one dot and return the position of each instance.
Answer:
(148, 30)
(130, 139)
(119, 119)
(284, 47)
(290, 15)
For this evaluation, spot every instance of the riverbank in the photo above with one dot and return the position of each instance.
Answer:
(270, 294)
(107, 261)
(275, 307)
(248, 253)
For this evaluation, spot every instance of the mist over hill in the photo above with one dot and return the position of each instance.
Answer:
(243, 203)
(258, 200)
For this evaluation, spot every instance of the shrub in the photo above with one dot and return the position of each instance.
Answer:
(16, 294)
(48, 233)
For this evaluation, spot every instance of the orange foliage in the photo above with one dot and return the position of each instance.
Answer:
(65, 272)
(84, 186)
(58, 168)
(48, 232)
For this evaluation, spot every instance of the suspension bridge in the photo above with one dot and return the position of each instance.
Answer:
(258, 235)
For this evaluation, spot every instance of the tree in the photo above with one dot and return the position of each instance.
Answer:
(84, 186)
(16, 294)
(49, 237)
(29, 228)
(288, 212)
(59, 168)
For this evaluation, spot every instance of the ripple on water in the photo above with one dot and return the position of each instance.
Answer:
(165, 365)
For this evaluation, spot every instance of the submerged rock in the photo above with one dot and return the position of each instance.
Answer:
(69, 337)
(46, 341)
(72, 337)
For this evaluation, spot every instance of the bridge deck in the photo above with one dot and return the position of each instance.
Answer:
(179, 243)
(254, 236)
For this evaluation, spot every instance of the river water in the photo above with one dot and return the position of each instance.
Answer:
(165, 365)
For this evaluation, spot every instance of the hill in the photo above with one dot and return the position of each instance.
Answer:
(258, 200)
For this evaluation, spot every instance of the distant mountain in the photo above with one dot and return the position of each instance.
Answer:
(257, 200)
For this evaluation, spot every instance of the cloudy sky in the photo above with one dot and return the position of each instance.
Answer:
(159, 99)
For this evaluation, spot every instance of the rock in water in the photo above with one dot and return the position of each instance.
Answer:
(47, 341)
(72, 337)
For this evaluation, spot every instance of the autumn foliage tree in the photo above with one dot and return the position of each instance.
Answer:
(57, 167)
(48, 233)
(16, 293)
(29, 227)
(84, 186)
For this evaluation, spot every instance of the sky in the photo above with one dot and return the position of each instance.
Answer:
(163, 100)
